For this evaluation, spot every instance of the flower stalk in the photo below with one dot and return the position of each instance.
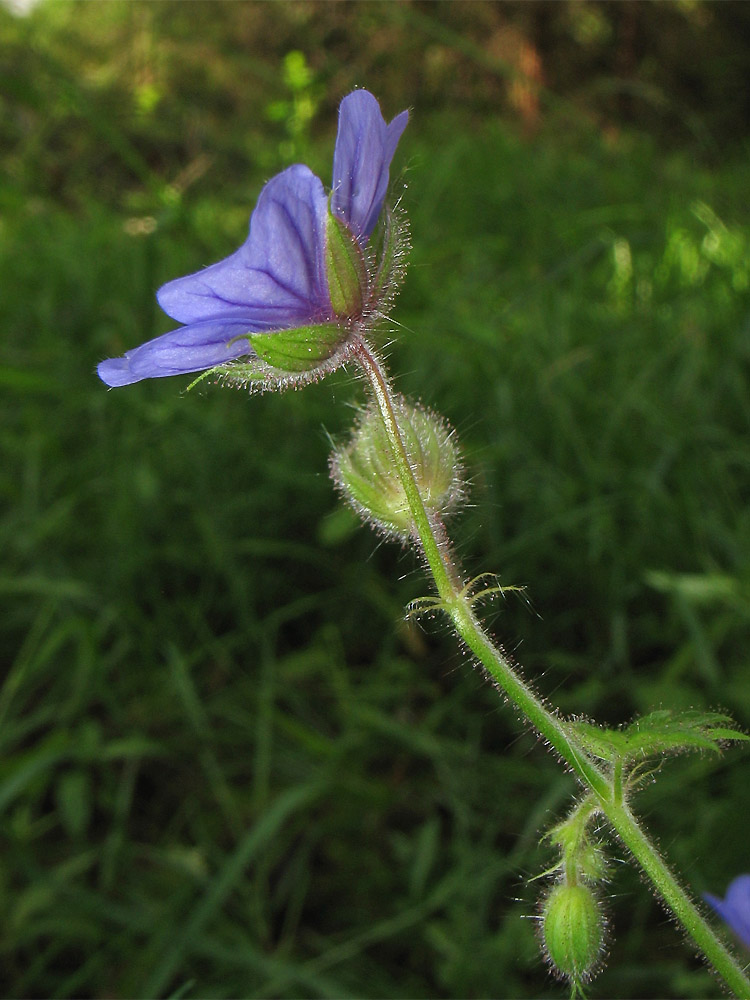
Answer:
(607, 789)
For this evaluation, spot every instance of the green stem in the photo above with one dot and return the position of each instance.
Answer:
(430, 534)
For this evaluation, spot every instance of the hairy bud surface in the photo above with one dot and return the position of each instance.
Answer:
(365, 471)
(573, 931)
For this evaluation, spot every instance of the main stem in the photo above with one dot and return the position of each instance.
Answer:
(458, 605)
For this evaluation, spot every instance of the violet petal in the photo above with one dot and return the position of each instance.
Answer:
(191, 348)
(734, 909)
(361, 161)
(276, 278)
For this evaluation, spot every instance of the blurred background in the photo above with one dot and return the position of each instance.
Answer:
(228, 766)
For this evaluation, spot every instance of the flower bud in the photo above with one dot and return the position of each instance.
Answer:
(573, 931)
(366, 473)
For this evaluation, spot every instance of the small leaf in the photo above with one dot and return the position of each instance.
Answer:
(606, 744)
(660, 732)
(687, 730)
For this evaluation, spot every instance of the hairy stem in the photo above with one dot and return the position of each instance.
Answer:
(432, 538)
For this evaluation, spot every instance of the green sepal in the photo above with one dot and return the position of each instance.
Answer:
(300, 349)
(659, 732)
(345, 268)
(236, 371)
(581, 856)
(374, 492)
(386, 255)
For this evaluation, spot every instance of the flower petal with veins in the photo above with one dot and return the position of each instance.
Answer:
(279, 278)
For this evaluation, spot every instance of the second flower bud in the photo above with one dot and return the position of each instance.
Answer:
(366, 473)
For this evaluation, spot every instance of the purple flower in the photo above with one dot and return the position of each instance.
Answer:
(734, 909)
(281, 277)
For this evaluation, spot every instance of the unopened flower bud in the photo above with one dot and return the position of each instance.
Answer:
(366, 472)
(573, 931)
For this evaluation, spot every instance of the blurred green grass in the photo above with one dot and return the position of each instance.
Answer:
(228, 767)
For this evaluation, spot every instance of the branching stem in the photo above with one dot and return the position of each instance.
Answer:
(606, 787)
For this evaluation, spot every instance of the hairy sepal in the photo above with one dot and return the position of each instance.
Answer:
(301, 360)
(301, 349)
(389, 248)
(572, 927)
(345, 268)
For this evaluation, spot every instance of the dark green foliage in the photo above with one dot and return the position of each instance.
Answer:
(228, 767)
